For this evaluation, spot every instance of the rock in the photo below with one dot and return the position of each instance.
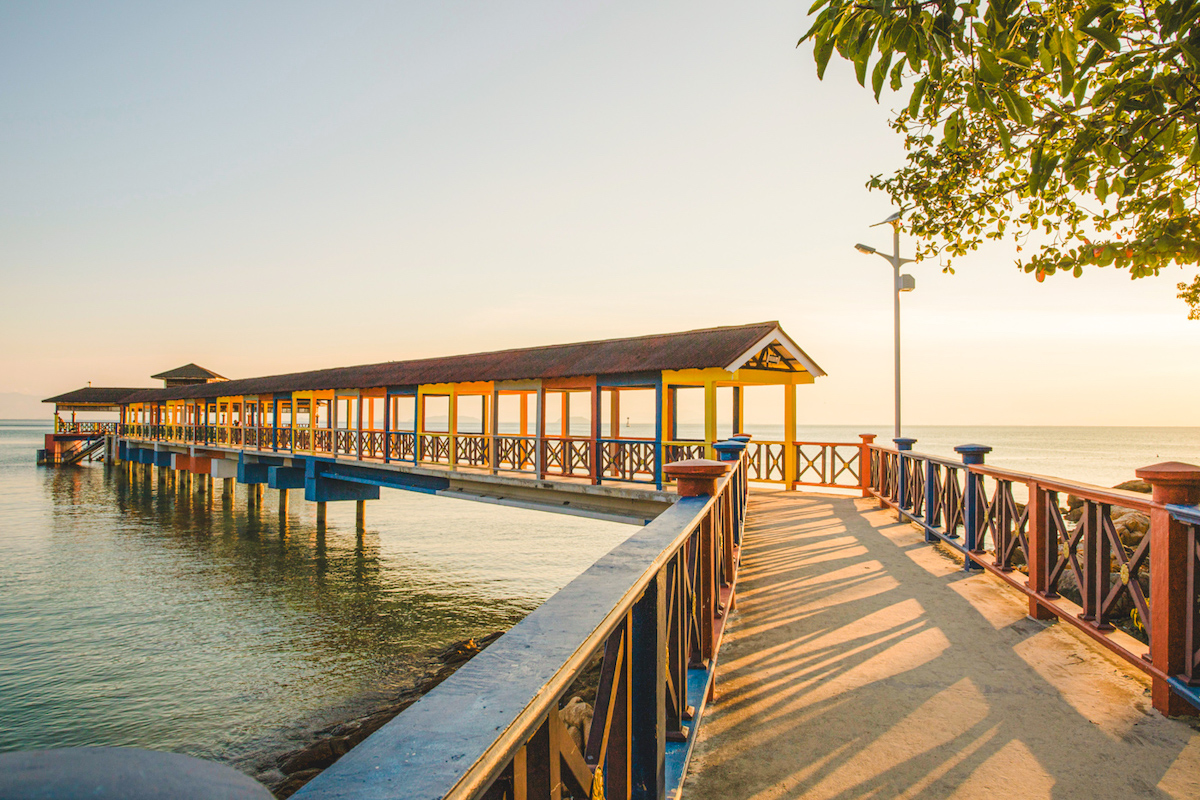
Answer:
(294, 782)
(317, 755)
(270, 777)
(1136, 485)
(1131, 526)
(577, 717)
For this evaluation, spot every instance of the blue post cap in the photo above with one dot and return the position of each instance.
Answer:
(740, 437)
(904, 443)
(972, 453)
(729, 450)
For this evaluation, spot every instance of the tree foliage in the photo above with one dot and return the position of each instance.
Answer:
(1076, 118)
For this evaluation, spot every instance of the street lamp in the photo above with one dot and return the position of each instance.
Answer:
(900, 283)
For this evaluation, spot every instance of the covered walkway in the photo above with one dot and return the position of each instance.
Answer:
(862, 662)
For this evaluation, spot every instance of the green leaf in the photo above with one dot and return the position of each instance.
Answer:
(914, 100)
(950, 131)
(1194, 156)
(1066, 74)
(1110, 42)
(880, 73)
(1005, 138)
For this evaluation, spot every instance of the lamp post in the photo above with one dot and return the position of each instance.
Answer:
(900, 283)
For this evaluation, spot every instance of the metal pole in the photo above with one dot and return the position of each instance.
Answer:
(896, 297)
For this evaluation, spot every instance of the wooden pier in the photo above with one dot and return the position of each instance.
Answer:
(915, 613)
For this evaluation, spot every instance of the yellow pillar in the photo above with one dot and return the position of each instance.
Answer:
(710, 418)
(789, 435)
(453, 426)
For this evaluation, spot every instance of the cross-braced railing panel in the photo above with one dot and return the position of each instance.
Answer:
(567, 456)
(628, 459)
(682, 451)
(515, 453)
(767, 461)
(435, 447)
(472, 450)
(402, 446)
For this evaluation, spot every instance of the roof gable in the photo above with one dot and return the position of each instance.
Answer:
(188, 372)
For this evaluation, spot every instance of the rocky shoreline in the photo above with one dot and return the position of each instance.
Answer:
(284, 773)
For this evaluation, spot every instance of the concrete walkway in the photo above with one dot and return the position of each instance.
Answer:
(862, 662)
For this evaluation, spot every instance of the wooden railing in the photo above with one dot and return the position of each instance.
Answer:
(97, 428)
(472, 450)
(1091, 568)
(652, 612)
(402, 446)
(566, 456)
(629, 459)
(515, 453)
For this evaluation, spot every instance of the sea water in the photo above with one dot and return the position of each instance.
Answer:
(131, 614)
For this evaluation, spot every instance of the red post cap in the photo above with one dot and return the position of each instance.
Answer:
(1173, 482)
(868, 438)
(696, 476)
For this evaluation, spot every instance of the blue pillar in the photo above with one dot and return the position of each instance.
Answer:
(903, 445)
(930, 501)
(971, 454)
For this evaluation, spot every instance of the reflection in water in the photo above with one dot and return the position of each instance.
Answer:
(137, 611)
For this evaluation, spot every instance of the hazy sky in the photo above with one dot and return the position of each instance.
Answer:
(269, 187)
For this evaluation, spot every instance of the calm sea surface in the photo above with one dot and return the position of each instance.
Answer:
(130, 615)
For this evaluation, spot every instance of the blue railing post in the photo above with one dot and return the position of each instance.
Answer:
(971, 454)
(648, 697)
(930, 501)
(903, 445)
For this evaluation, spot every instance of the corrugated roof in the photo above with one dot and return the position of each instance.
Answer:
(188, 372)
(698, 349)
(105, 395)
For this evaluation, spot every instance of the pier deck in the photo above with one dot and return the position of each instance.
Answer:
(862, 662)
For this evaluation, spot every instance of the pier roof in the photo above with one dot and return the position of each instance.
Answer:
(727, 348)
(188, 372)
(95, 395)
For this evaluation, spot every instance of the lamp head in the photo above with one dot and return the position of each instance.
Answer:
(865, 249)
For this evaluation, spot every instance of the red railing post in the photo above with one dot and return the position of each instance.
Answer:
(1174, 484)
(1042, 549)
(864, 463)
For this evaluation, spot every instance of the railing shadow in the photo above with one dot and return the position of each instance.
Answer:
(851, 670)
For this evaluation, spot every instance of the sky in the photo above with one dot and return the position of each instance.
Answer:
(268, 187)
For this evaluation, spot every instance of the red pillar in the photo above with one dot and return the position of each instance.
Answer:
(1174, 483)
(1042, 549)
(864, 463)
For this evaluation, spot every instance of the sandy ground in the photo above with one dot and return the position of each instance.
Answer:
(862, 662)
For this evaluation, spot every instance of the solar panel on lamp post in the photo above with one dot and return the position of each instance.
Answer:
(900, 283)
